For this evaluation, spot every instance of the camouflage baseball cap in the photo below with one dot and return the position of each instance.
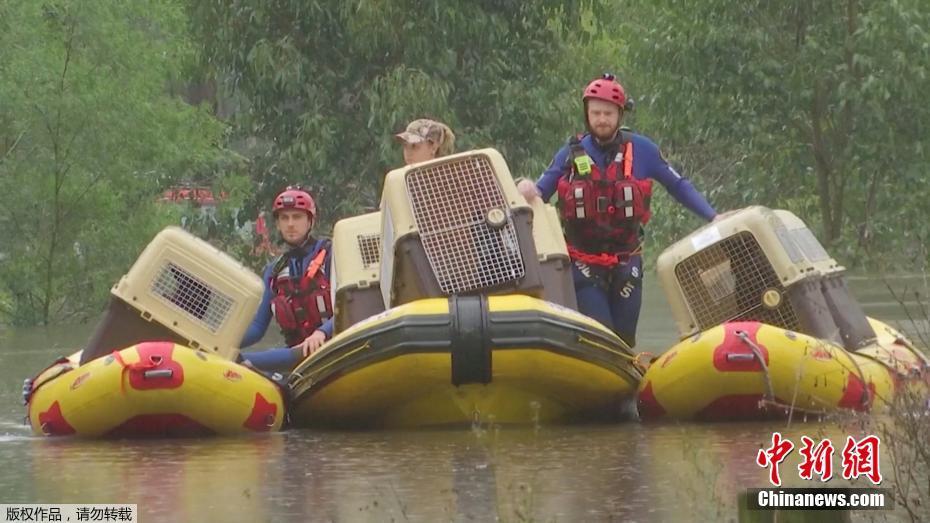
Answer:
(420, 130)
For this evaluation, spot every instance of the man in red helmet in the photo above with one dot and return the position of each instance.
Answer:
(297, 291)
(604, 181)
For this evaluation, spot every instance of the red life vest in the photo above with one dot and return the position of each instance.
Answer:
(603, 211)
(301, 305)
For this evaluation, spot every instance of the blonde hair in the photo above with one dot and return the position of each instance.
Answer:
(447, 141)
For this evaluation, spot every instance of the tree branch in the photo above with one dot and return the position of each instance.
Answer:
(10, 150)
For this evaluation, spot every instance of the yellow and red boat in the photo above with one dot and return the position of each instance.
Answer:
(770, 329)
(455, 305)
(198, 302)
(153, 389)
(508, 359)
(751, 370)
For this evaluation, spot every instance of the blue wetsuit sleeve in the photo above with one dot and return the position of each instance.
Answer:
(262, 318)
(678, 186)
(327, 328)
(272, 359)
(549, 180)
(688, 196)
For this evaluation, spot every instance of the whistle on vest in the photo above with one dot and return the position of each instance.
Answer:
(582, 165)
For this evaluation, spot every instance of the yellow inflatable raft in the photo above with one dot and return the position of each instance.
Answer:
(769, 327)
(454, 305)
(153, 389)
(750, 370)
(460, 360)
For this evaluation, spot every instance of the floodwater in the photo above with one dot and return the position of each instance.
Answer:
(623, 472)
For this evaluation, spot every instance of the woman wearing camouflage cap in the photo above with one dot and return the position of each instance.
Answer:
(426, 139)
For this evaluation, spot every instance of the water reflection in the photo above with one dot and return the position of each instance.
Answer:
(624, 472)
(512, 474)
(184, 480)
(627, 472)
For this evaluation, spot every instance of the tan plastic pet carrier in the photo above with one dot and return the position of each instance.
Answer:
(554, 262)
(355, 269)
(760, 265)
(458, 225)
(854, 327)
(181, 289)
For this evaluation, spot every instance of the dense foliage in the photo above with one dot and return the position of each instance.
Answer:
(88, 137)
(325, 84)
(812, 106)
(818, 107)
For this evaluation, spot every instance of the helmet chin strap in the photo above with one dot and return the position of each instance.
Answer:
(298, 251)
(613, 142)
(302, 243)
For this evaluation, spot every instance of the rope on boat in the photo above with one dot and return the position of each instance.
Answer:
(757, 352)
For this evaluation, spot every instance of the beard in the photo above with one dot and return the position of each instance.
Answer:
(602, 134)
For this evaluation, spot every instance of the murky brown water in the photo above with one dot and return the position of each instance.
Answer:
(625, 472)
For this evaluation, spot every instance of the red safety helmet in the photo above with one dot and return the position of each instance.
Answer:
(607, 88)
(294, 197)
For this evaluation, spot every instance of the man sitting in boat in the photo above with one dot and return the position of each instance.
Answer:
(604, 203)
(297, 291)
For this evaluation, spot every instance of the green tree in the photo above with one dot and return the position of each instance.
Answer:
(324, 84)
(88, 137)
(814, 106)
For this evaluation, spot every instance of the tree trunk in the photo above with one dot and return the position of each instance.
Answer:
(865, 230)
(822, 164)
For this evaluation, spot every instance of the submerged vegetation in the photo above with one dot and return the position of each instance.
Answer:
(906, 431)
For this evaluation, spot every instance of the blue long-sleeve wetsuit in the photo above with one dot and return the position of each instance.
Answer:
(614, 298)
(283, 357)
